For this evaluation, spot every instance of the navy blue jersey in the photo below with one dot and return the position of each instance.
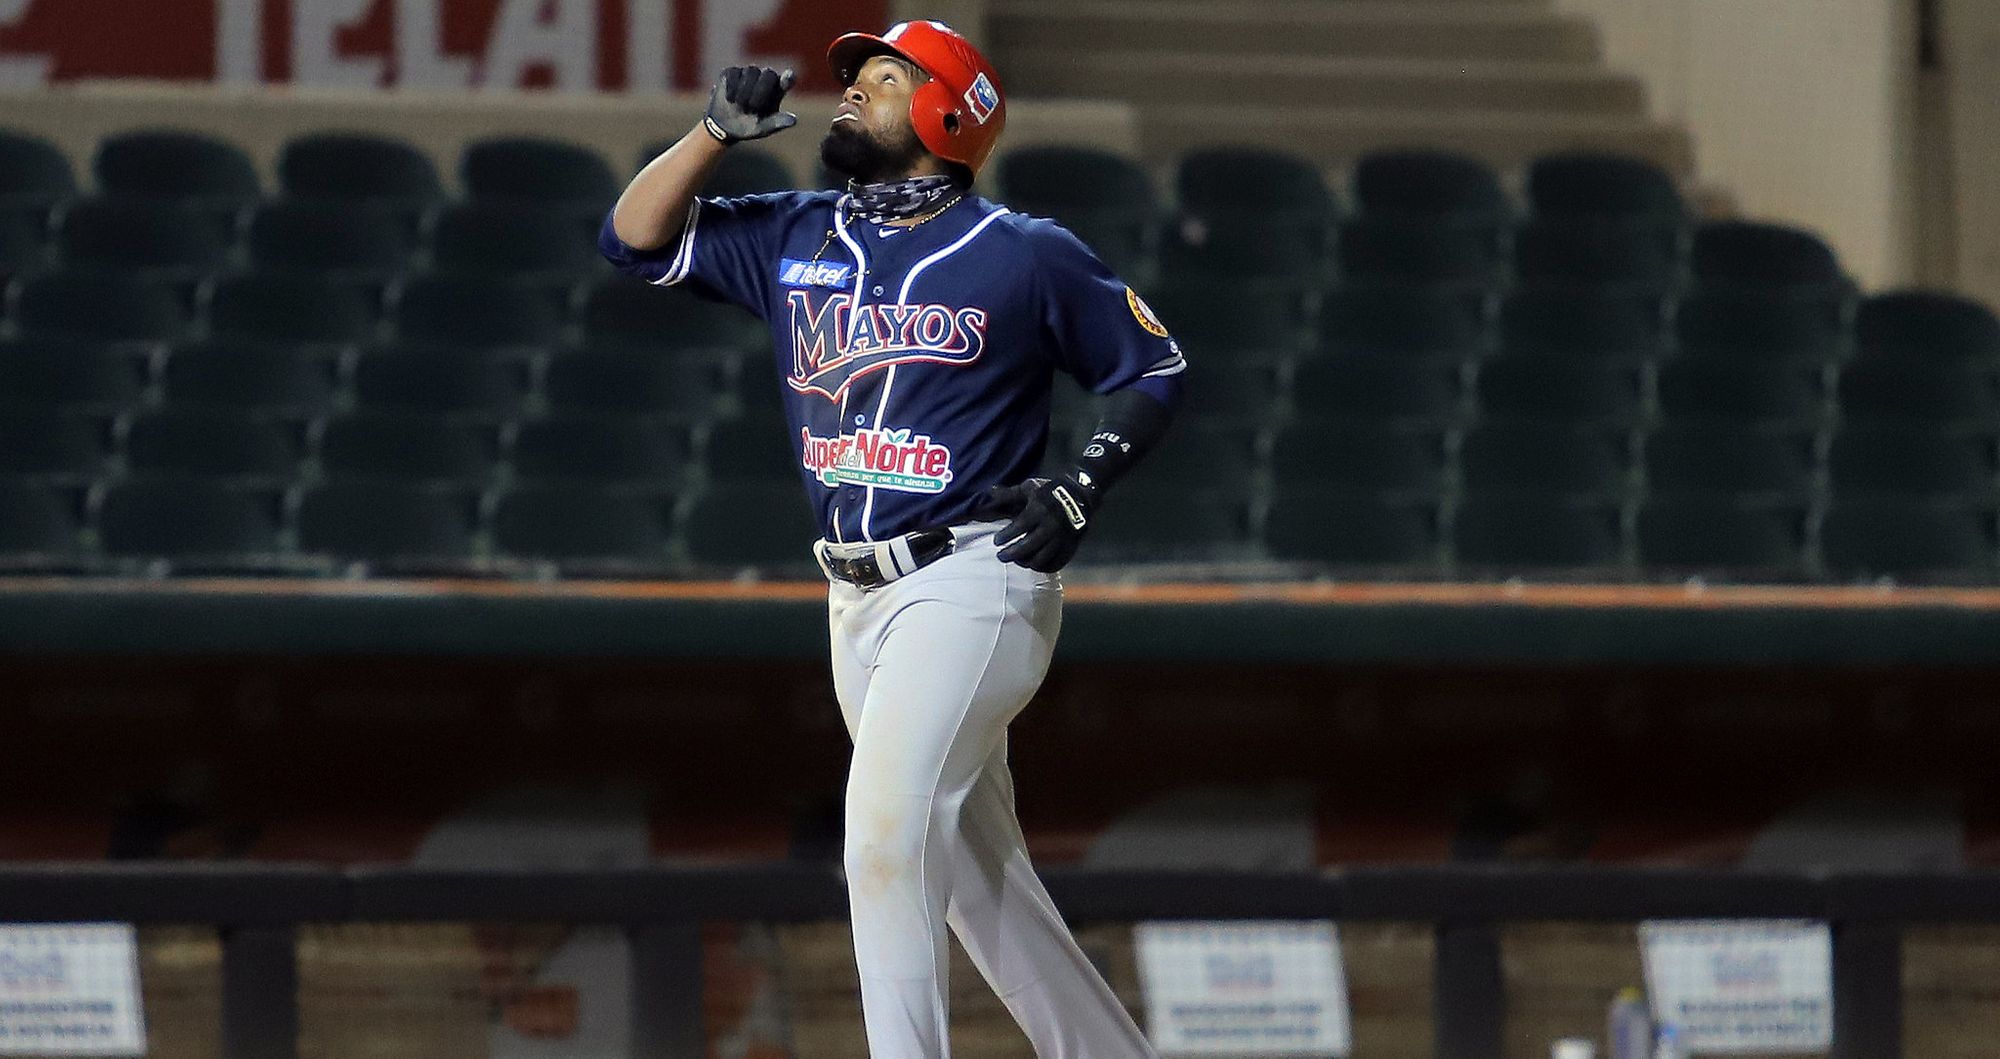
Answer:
(917, 362)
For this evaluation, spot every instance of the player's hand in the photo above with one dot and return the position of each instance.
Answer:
(743, 105)
(1049, 517)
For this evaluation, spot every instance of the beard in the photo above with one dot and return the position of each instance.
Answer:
(850, 150)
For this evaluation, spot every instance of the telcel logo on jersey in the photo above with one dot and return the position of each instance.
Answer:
(796, 273)
(836, 343)
(885, 459)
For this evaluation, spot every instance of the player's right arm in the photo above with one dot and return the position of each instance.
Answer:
(743, 105)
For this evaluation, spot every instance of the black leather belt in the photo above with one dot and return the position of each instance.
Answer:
(874, 564)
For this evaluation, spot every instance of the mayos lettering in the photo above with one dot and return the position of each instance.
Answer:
(901, 460)
(834, 344)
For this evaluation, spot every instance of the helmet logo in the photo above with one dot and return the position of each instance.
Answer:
(982, 99)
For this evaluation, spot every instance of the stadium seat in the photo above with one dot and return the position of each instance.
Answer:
(24, 245)
(360, 167)
(511, 241)
(1544, 458)
(189, 519)
(753, 446)
(621, 312)
(1721, 537)
(250, 378)
(1235, 393)
(1524, 532)
(147, 238)
(1405, 250)
(579, 527)
(1427, 184)
(1219, 184)
(766, 524)
(112, 308)
(1753, 326)
(212, 444)
(35, 175)
(1107, 200)
(48, 444)
(356, 242)
(1703, 459)
(1234, 322)
(1402, 320)
(1582, 324)
(1751, 254)
(558, 176)
(1611, 254)
(601, 449)
(39, 525)
(1598, 185)
(1884, 389)
(392, 527)
(294, 309)
(1271, 251)
(198, 170)
(71, 375)
(405, 447)
(1728, 390)
(742, 171)
(467, 313)
(1350, 529)
(1358, 457)
(1165, 521)
(1416, 390)
(1912, 462)
(1873, 539)
(633, 384)
(1926, 325)
(1543, 389)
(445, 382)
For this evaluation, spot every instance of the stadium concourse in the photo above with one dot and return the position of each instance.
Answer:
(1417, 375)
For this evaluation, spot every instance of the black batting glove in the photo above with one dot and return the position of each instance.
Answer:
(743, 105)
(1049, 517)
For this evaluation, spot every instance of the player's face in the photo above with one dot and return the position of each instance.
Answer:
(871, 138)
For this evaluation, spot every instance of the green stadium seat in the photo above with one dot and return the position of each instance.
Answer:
(1273, 251)
(248, 377)
(1581, 324)
(601, 449)
(467, 313)
(1874, 539)
(1545, 458)
(406, 447)
(360, 167)
(762, 524)
(1219, 183)
(1402, 320)
(1590, 253)
(1107, 200)
(1236, 393)
(1720, 537)
(754, 446)
(1598, 185)
(1883, 389)
(40, 526)
(358, 242)
(1417, 250)
(1159, 522)
(24, 245)
(584, 529)
(77, 376)
(160, 240)
(35, 175)
(1753, 254)
(1358, 457)
(200, 171)
(620, 312)
(391, 527)
(511, 241)
(112, 308)
(1926, 325)
(296, 309)
(1912, 462)
(1520, 533)
(47, 444)
(1747, 325)
(1386, 388)
(634, 384)
(1712, 460)
(1542, 389)
(1238, 322)
(558, 176)
(1427, 183)
(197, 522)
(446, 382)
(213, 444)
(1352, 530)
(1726, 390)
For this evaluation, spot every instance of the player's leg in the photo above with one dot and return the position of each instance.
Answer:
(1003, 916)
(959, 650)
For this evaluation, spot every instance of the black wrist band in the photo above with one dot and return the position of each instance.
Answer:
(1132, 423)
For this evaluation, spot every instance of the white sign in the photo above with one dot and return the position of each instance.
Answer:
(70, 989)
(1742, 987)
(1244, 988)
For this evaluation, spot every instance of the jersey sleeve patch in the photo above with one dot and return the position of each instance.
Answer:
(1144, 314)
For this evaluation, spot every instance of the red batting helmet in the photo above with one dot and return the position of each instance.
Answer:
(960, 111)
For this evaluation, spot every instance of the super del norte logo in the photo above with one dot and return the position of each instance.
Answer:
(885, 459)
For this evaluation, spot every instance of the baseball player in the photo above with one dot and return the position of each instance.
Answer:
(918, 329)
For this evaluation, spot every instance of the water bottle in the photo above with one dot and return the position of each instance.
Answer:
(1629, 1026)
(1669, 1044)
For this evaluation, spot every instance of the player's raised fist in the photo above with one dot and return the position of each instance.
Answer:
(744, 103)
